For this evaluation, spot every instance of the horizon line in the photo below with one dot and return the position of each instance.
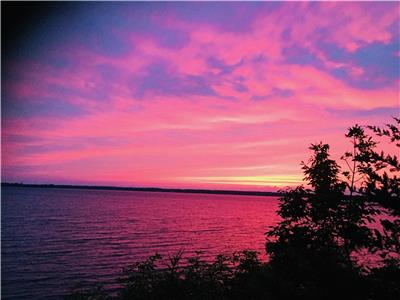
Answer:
(144, 189)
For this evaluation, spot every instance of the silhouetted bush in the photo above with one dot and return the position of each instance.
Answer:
(82, 292)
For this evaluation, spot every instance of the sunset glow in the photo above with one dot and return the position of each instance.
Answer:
(202, 95)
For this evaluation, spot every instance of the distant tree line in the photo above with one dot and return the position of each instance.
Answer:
(139, 189)
(315, 251)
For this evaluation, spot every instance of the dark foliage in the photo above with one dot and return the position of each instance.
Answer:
(380, 180)
(82, 292)
(315, 250)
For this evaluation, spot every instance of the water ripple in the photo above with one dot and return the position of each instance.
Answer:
(53, 238)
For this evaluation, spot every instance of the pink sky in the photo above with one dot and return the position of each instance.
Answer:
(204, 95)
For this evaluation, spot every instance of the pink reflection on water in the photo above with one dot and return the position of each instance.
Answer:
(66, 236)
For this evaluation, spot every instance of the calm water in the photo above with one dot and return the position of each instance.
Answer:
(52, 238)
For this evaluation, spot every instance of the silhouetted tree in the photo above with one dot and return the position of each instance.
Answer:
(379, 171)
(380, 182)
(311, 248)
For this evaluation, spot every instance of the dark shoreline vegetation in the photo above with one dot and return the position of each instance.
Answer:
(142, 189)
(314, 252)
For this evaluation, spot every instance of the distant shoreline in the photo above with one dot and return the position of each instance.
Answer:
(143, 189)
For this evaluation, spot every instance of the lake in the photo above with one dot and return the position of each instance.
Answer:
(53, 238)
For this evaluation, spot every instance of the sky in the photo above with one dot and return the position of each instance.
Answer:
(193, 95)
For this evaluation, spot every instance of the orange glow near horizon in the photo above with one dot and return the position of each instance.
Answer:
(276, 181)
